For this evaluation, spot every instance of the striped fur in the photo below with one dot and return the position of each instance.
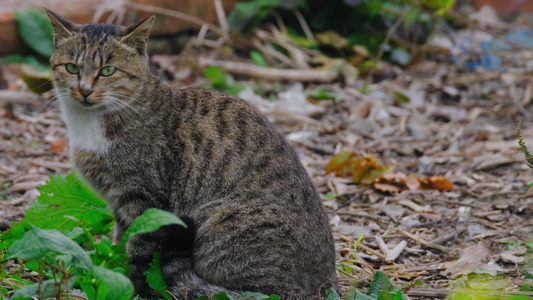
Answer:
(256, 222)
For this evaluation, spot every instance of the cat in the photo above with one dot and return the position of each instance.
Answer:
(255, 220)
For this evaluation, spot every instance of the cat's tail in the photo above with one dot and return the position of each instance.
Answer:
(177, 264)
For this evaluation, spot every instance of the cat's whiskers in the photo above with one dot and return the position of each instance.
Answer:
(116, 103)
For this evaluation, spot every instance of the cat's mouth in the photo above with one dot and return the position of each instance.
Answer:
(86, 103)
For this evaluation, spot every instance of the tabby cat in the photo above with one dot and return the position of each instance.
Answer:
(255, 221)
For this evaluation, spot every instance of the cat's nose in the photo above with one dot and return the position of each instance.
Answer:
(86, 92)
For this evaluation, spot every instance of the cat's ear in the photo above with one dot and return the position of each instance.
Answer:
(137, 35)
(63, 28)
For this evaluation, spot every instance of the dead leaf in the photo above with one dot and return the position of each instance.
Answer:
(439, 183)
(402, 182)
(469, 261)
(364, 169)
(58, 146)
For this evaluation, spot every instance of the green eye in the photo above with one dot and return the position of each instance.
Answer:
(72, 68)
(107, 71)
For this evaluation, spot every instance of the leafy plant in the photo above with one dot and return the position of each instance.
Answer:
(337, 36)
(221, 80)
(36, 32)
(380, 289)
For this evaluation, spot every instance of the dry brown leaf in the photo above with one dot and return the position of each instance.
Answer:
(58, 146)
(439, 183)
(404, 182)
(364, 168)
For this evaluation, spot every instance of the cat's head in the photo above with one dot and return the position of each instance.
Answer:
(98, 66)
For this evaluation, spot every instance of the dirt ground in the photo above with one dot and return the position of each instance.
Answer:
(458, 123)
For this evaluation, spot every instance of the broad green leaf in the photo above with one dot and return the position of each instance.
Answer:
(151, 220)
(333, 295)
(45, 289)
(95, 290)
(154, 277)
(222, 296)
(69, 196)
(380, 283)
(350, 294)
(37, 242)
(361, 296)
(120, 287)
(256, 296)
(384, 295)
(35, 30)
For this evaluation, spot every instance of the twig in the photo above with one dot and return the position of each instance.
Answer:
(388, 36)
(303, 23)
(352, 199)
(366, 248)
(221, 15)
(363, 215)
(177, 15)
(449, 236)
(270, 74)
(422, 241)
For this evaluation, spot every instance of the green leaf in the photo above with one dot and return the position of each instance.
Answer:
(151, 220)
(37, 242)
(247, 14)
(519, 297)
(216, 76)
(400, 97)
(350, 294)
(120, 287)
(256, 296)
(35, 30)
(361, 296)
(154, 277)
(45, 289)
(258, 58)
(380, 283)
(69, 196)
(385, 295)
(333, 295)
(30, 60)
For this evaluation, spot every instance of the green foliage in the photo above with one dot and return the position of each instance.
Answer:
(258, 58)
(45, 289)
(221, 80)
(66, 204)
(30, 60)
(151, 220)
(154, 277)
(374, 19)
(322, 93)
(66, 215)
(243, 296)
(529, 158)
(35, 30)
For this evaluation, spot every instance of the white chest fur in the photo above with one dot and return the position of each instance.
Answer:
(84, 127)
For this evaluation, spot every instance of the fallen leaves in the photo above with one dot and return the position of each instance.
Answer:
(368, 169)
(363, 168)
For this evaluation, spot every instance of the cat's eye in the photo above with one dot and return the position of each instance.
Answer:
(107, 71)
(72, 68)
